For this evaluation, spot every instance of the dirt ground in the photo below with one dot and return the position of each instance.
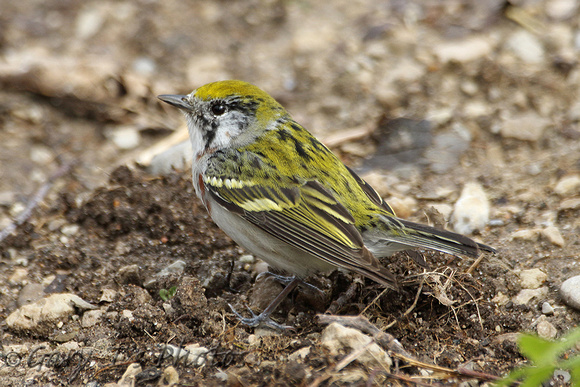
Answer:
(490, 93)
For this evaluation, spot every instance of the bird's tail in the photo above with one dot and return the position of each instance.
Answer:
(423, 236)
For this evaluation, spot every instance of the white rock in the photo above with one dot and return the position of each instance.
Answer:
(89, 21)
(547, 309)
(527, 126)
(340, 340)
(570, 292)
(70, 229)
(125, 138)
(197, 355)
(192, 355)
(108, 295)
(300, 354)
(403, 207)
(48, 310)
(568, 185)
(177, 157)
(471, 211)
(561, 9)
(500, 299)
(546, 330)
(247, 258)
(526, 235)
(19, 276)
(553, 235)
(569, 204)
(170, 377)
(532, 278)
(444, 209)
(91, 318)
(526, 295)
(126, 313)
(526, 46)
(176, 267)
(466, 50)
(41, 154)
(128, 379)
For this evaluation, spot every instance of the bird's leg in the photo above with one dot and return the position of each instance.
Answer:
(286, 280)
(264, 317)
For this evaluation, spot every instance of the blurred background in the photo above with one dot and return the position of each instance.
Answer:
(80, 79)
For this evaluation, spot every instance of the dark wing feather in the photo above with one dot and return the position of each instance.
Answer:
(371, 193)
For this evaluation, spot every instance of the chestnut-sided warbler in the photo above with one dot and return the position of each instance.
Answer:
(285, 197)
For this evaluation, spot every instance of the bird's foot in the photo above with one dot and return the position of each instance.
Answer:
(262, 319)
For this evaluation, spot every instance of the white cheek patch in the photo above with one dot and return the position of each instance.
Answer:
(230, 126)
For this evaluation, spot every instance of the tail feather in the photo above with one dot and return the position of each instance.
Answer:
(420, 235)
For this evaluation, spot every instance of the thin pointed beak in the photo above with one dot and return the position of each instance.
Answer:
(179, 101)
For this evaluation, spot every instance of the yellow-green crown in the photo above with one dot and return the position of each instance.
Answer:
(223, 89)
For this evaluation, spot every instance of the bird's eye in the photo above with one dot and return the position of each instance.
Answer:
(218, 109)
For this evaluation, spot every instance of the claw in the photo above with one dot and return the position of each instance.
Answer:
(258, 320)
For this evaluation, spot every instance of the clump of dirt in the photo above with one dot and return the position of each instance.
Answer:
(133, 228)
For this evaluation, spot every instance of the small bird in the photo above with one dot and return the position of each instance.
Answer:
(282, 195)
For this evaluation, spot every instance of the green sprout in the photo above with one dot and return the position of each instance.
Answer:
(167, 294)
(545, 357)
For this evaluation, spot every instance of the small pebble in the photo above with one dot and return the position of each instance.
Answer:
(526, 295)
(526, 46)
(570, 292)
(247, 258)
(562, 376)
(569, 204)
(19, 276)
(500, 299)
(170, 377)
(403, 207)
(471, 211)
(527, 126)
(130, 375)
(91, 318)
(339, 339)
(70, 229)
(465, 50)
(561, 9)
(568, 185)
(532, 278)
(527, 235)
(547, 309)
(553, 235)
(125, 138)
(177, 157)
(108, 295)
(300, 354)
(177, 267)
(546, 330)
